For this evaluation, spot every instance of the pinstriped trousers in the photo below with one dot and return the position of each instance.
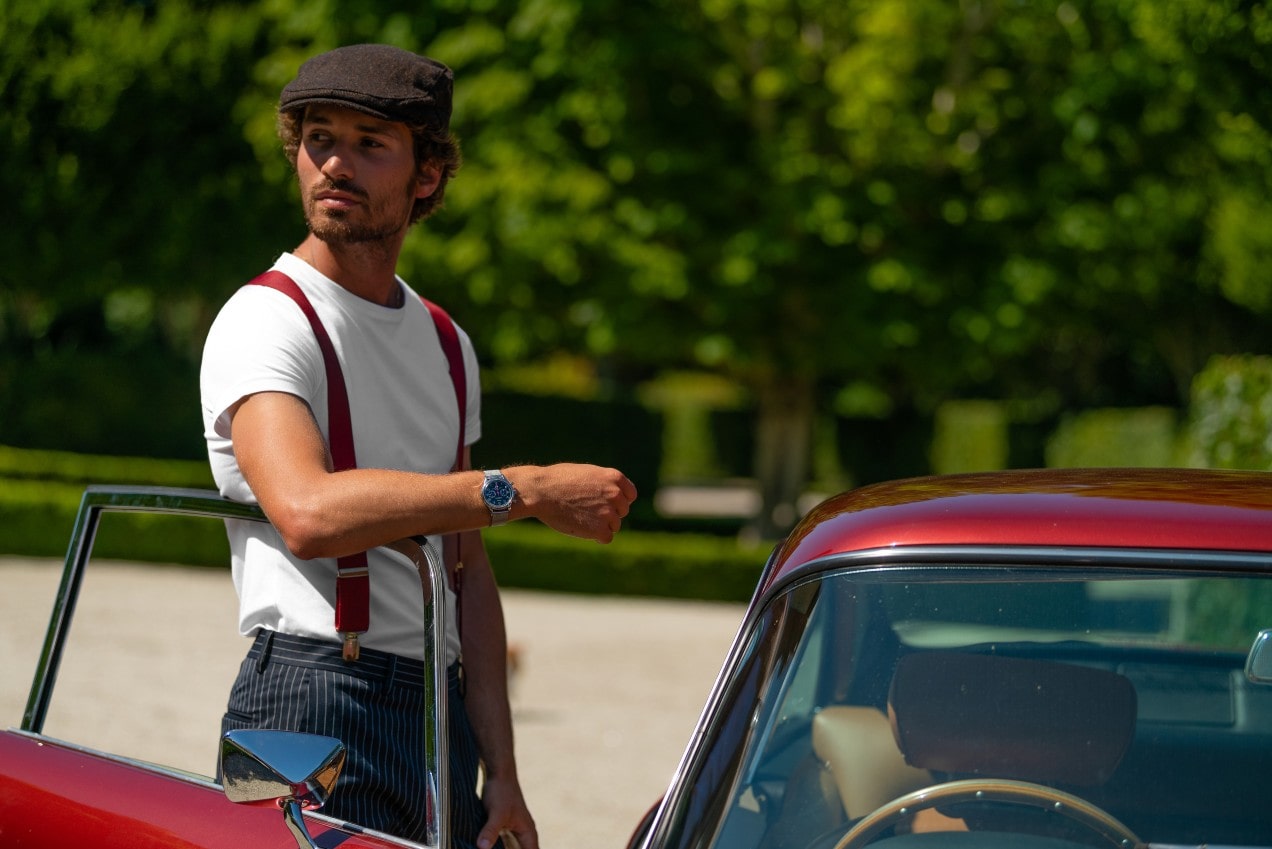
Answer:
(376, 708)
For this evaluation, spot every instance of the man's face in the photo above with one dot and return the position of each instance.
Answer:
(358, 177)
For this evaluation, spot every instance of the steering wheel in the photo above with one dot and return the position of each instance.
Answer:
(990, 790)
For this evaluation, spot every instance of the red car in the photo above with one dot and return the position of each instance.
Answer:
(1046, 660)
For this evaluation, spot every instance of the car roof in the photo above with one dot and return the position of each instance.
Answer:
(1185, 509)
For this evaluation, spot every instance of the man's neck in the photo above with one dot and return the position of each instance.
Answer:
(366, 269)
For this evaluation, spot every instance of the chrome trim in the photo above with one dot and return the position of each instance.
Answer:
(693, 750)
(148, 766)
(436, 746)
(296, 771)
(1258, 665)
(997, 556)
(95, 501)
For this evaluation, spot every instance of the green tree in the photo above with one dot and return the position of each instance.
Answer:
(127, 167)
(132, 194)
(1231, 421)
(1034, 200)
(1058, 201)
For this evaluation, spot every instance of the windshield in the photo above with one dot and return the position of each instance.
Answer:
(1118, 698)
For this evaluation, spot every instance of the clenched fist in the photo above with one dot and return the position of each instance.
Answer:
(574, 498)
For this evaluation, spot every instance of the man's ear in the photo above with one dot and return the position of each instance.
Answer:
(427, 180)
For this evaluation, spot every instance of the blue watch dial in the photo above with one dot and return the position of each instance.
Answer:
(498, 493)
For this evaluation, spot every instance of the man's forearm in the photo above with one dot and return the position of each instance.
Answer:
(324, 513)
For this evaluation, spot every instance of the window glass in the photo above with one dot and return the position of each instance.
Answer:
(1125, 687)
(153, 645)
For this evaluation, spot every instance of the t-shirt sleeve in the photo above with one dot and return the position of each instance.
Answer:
(259, 342)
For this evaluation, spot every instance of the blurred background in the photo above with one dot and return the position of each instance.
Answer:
(750, 251)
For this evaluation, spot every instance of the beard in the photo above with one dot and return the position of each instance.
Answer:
(368, 223)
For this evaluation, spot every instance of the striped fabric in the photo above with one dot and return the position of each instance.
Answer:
(376, 708)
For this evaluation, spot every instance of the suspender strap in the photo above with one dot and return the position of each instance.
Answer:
(353, 583)
(448, 335)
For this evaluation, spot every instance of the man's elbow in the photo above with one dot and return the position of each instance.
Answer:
(304, 531)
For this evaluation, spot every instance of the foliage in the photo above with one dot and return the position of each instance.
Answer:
(38, 516)
(641, 564)
(971, 436)
(1141, 437)
(1228, 613)
(79, 469)
(127, 179)
(521, 428)
(924, 195)
(1060, 202)
(1231, 414)
(126, 167)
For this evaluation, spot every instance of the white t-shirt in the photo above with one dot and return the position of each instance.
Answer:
(404, 414)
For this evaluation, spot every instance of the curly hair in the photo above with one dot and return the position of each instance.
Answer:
(431, 147)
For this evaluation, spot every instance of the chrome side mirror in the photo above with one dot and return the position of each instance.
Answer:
(1258, 668)
(296, 771)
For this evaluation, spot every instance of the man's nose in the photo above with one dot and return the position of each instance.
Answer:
(337, 165)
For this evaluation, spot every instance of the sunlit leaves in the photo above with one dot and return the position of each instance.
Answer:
(1241, 248)
(929, 197)
(463, 46)
(1232, 413)
(121, 146)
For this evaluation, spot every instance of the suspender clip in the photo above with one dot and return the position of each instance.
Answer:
(351, 649)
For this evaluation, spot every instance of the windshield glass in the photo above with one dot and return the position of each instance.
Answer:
(1119, 699)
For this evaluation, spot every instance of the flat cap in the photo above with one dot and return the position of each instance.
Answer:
(378, 79)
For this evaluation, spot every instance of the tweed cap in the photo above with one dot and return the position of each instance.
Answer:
(377, 79)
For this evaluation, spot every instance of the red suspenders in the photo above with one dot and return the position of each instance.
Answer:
(448, 335)
(353, 584)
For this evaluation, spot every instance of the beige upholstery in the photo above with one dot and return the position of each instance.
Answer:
(858, 746)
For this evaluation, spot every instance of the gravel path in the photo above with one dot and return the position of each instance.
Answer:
(605, 697)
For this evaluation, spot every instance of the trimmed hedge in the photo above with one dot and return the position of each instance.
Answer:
(531, 556)
(36, 517)
(39, 465)
(40, 494)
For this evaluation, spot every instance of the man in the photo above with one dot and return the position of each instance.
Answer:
(367, 130)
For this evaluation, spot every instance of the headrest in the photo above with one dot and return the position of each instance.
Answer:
(1007, 717)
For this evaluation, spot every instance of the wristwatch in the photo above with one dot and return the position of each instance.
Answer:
(498, 493)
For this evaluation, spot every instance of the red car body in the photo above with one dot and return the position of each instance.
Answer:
(53, 796)
(1088, 508)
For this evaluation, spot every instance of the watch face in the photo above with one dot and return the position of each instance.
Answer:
(498, 493)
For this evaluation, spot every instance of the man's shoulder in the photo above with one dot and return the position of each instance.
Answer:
(258, 318)
(438, 315)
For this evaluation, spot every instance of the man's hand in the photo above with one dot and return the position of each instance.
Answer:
(576, 499)
(506, 811)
